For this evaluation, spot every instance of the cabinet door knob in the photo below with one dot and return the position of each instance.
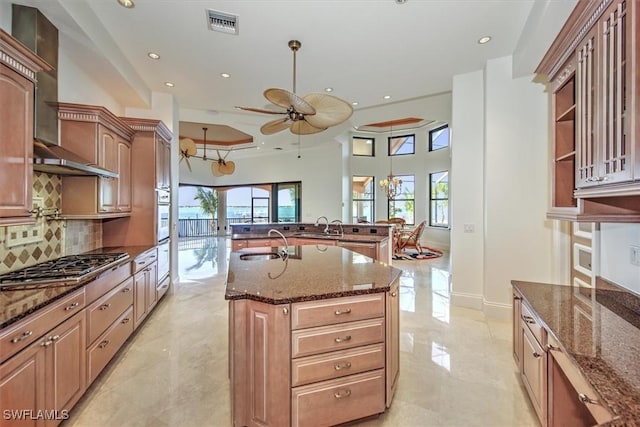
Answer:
(54, 338)
(394, 294)
(536, 354)
(285, 311)
(47, 343)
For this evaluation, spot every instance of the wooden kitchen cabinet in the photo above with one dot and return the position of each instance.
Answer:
(18, 68)
(95, 134)
(392, 340)
(145, 282)
(48, 375)
(593, 71)
(366, 249)
(517, 329)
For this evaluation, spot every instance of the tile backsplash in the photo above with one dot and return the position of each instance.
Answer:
(59, 237)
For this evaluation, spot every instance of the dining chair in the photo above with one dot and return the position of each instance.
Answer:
(411, 239)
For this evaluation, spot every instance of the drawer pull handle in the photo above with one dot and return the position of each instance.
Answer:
(552, 347)
(516, 298)
(586, 399)
(341, 394)
(530, 320)
(47, 343)
(126, 290)
(24, 336)
(125, 320)
(103, 344)
(339, 312)
(71, 306)
(54, 338)
(339, 340)
(104, 306)
(339, 367)
(536, 354)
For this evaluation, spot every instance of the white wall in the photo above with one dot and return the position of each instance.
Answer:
(615, 265)
(467, 189)
(511, 173)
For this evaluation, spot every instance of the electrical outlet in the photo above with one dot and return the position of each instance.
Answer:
(635, 255)
(469, 228)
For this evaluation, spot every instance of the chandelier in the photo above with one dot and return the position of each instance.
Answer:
(391, 185)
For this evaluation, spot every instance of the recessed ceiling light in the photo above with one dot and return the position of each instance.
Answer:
(153, 55)
(354, 103)
(328, 89)
(401, 1)
(485, 39)
(168, 84)
(225, 75)
(127, 3)
(387, 97)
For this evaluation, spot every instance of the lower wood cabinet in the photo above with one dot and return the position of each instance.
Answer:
(145, 282)
(322, 362)
(106, 346)
(43, 382)
(534, 373)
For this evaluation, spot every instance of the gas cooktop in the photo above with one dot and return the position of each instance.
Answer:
(71, 268)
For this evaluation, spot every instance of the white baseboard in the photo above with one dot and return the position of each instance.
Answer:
(496, 310)
(462, 299)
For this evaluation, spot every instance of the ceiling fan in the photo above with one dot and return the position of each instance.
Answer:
(219, 167)
(305, 115)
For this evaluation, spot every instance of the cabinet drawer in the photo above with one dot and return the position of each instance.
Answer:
(338, 401)
(103, 312)
(323, 339)
(107, 280)
(142, 261)
(336, 310)
(336, 364)
(532, 323)
(26, 331)
(101, 352)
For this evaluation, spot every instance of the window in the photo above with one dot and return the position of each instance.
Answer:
(363, 146)
(401, 145)
(402, 206)
(439, 138)
(439, 199)
(363, 200)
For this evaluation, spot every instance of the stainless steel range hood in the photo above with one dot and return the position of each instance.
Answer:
(36, 32)
(56, 160)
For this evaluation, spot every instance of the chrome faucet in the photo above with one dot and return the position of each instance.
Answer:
(337, 221)
(326, 220)
(285, 252)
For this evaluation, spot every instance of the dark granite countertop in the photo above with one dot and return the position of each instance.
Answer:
(19, 303)
(363, 233)
(309, 273)
(364, 238)
(599, 329)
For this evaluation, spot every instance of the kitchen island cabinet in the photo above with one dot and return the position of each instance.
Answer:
(314, 337)
(18, 68)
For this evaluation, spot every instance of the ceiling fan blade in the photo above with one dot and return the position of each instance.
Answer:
(302, 127)
(330, 110)
(188, 147)
(228, 168)
(188, 163)
(275, 126)
(216, 169)
(287, 100)
(261, 110)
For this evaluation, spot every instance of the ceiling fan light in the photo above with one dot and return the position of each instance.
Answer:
(153, 55)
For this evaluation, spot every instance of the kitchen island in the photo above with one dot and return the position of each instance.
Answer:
(313, 335)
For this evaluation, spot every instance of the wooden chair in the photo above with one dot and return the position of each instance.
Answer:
(411, 239)
(398, 222)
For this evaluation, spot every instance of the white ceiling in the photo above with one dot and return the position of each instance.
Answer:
(363, 49)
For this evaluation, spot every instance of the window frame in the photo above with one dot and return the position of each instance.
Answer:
(372, 200)
(434, 130)
(373, 146)
(391, 138)
(438, 199)
(403, 199)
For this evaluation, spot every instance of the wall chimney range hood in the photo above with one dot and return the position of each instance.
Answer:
(37, 33)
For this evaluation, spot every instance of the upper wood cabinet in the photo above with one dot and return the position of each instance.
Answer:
(592, 70)
(18, 67)
(97, 135)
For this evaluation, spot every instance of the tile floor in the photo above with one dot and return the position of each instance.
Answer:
(456, 365)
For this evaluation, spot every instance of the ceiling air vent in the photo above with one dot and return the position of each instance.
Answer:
(222, 22)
